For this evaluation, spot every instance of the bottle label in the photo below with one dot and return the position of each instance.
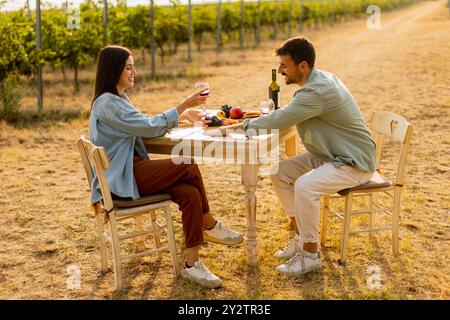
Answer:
(275, 96)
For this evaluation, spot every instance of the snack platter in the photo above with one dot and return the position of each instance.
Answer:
(225, 115)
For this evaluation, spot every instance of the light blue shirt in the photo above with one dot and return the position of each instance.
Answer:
(116, 125)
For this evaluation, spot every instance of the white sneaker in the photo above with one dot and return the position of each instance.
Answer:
(293, 247)
(222, 234)
(303, 262)
(200, 274)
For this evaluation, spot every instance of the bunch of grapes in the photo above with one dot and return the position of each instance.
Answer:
(226, 109)
(215, 122)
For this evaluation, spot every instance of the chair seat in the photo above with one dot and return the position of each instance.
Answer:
(376, 182)
(154, 198)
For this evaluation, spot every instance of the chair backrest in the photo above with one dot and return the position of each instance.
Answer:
(391, 125)
(96, 158)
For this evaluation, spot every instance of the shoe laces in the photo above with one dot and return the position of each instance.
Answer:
(291, 244)
(298, 258)
(223, 227)
(202, 268)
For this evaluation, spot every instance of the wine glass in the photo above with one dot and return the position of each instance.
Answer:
(203, 87)
(271, 105)
(267, 106)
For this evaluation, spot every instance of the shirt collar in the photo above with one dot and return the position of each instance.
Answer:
(311, 75)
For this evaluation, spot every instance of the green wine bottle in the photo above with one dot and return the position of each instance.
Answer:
(274, 90)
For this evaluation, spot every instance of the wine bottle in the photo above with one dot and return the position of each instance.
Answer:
(274, 90)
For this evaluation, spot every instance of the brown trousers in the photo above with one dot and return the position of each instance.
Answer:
(184, 183)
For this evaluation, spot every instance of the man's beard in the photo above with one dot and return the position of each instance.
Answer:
(288, 80)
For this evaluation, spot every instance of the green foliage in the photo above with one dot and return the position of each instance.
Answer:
(16, 54)
(17, 57)
(204, 20)
(73, 48)
(9, 99)
(130, 27)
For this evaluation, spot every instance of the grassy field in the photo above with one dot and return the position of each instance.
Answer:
(46, 223)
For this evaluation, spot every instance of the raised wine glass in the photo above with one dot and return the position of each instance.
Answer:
(203, 87)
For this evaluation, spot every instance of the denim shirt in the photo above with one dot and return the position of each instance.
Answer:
(328, 120)
(116, 125)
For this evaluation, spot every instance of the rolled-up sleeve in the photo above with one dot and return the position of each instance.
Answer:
(171, 118)
(129, 121)
(307, 103)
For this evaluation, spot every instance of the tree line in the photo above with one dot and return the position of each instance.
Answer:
(67, 47)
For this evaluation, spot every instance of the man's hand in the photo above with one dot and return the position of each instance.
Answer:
(228, 129)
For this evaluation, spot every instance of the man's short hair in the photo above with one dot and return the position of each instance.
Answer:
(299, 49)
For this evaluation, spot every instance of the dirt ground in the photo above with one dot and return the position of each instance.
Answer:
(46, 223)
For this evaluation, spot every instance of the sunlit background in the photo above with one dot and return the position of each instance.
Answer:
(18, 4)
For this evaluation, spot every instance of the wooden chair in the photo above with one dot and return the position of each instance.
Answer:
(383, 125)
(109, 211)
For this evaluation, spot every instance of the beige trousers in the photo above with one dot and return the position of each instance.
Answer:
(300, 182)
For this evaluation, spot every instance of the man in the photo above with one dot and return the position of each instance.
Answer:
(340, 151)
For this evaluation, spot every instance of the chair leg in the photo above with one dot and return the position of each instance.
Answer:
(100, 231)
(324, 213)
(139, 226)
(156, 231)
(116, 251)
(395, 221)
(171, 240)
(346, 230)
(371, 215)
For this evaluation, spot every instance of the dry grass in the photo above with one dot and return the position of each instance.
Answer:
(46, 224)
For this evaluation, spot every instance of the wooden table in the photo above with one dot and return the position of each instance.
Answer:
(193, 141)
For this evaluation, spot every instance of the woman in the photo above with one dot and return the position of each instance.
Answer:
(116, 125)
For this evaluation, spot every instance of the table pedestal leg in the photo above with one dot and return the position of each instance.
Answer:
(249, 180)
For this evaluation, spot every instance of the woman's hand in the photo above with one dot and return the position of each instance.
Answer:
(194, 116)
(193, 100)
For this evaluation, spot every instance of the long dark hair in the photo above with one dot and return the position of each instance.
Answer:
(110, 64)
